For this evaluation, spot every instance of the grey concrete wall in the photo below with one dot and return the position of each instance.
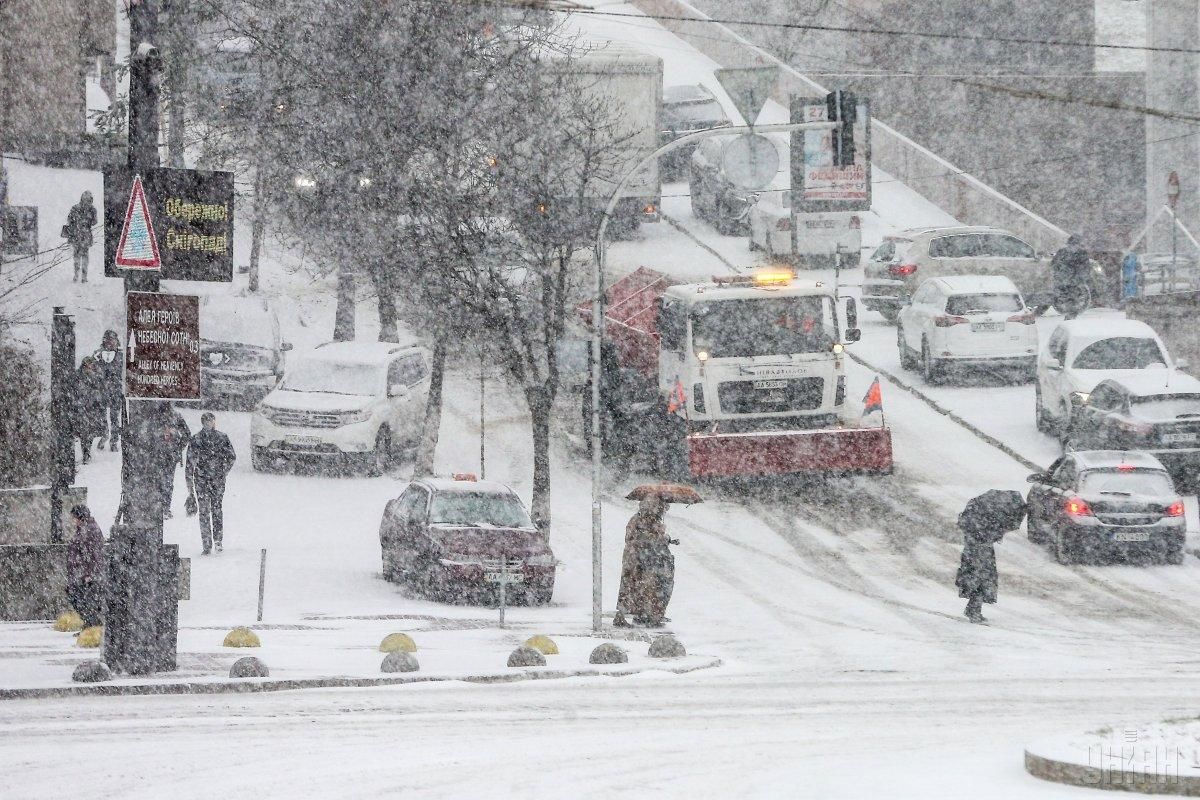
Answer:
(968, 198)
(25, 513)
(33, 579)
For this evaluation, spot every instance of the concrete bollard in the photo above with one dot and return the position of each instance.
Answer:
(543, 644)
(526, 657)
(397, 641)
(667, 646)
(608, 653)
(241, 637)
(92, 672)
(399, 661)
(249, 667)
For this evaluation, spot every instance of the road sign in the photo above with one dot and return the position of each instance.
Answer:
(181, 217)
(1173, 189)
(750, 161)
(162, 348)
(138, 248)
(748, 87)
(817, 183)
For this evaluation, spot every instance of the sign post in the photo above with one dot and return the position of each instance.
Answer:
(503, 578)
(1172, 200)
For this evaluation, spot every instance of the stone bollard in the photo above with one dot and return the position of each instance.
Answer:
(608, 653)
(92, 672)
(399, 661)
(241, 637)
(667, 646)
(543, 644)
(526, 657)
(397, 641)
(249, 667)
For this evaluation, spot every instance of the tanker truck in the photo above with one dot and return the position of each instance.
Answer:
(741, 376)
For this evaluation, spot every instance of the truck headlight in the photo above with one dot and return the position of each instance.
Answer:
(354, 417)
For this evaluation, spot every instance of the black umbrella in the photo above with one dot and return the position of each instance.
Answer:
(992, 514)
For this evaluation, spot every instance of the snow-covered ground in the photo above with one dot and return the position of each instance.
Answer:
(849, 671)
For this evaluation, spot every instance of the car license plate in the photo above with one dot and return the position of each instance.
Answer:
(987, 327)
(511, 577)
(1131, 536)
(303, 441)
(820, 224)
(770, 384)
(1178, 438)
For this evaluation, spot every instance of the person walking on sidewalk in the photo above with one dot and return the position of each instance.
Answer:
(210, 456)
(110, 359)
(85, 567)
(87, 411)
(78, 232)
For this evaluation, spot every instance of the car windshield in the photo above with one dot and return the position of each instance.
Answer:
(481, 509)
(334, 378)
(1166, 406)
(248, 326)
(1120, 352)
(979, 245)
(1135, 482)
(779, 326)
(966, 303)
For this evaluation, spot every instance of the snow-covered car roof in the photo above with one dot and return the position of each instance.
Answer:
(943, 230)
(441, 484)
(360, 352)
(977, 284)
(1151, 382)
(1111, 459)
(1092, 327)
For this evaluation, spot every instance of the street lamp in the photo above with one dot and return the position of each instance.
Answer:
(598, 315)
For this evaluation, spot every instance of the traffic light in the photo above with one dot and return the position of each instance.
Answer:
(842, 106)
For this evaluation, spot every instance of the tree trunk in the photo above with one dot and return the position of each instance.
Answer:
(388, 325)
(427, 447)
(343, 320)
(258, 226)
(177, 112)
(540, 406)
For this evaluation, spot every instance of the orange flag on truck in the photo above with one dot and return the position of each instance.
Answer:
(873, 400)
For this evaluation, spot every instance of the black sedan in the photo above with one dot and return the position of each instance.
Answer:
(1105, 504)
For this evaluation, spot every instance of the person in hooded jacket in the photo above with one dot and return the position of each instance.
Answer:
(647, 567)
(78, 232)
(1070, 275)
(88, 406)
(110, 361)
(85, 567)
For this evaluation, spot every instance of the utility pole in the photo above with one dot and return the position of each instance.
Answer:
(141, 622)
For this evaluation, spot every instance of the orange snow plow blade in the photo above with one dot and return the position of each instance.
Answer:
(847, 451)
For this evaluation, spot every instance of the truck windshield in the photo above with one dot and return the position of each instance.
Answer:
(763, 327)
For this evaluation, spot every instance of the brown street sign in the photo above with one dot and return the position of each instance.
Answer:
(162, 347)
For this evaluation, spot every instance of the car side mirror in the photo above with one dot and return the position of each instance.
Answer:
(286, 346)
(853, 335)
(397, 390)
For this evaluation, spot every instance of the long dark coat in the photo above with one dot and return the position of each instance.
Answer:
(80, 221)
(977, 574)
(647, 568)
(88, 403)
(210, 456)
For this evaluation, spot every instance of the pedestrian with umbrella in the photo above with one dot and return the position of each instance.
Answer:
(984, 521)
(647, 565)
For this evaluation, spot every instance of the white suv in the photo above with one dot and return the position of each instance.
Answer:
(967, 320)
(1084, 351)
(354, 401)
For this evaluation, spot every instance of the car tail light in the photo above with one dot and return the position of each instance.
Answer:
(949, 320)
(1175, 509)
(784, 224)
(901, 270)
(855, 223)
(1077, 507)
(1027, 318)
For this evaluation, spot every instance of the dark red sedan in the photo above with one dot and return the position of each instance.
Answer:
(451, 537)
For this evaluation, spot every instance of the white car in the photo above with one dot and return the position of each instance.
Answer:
(1082, 352)
(345, 401)
(818, 235)
(967, 320)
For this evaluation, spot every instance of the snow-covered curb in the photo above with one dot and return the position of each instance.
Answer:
(680, 666)
(1162, 758)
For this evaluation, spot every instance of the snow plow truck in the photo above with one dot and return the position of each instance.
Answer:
(743, 376)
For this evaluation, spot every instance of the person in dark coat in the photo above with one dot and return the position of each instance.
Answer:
(176, 437)
(78, 232)
(85, 567)
(977, 578)
(88, 406)
(647, 567)
(210, 456)
(1070, 275)
(110, 360)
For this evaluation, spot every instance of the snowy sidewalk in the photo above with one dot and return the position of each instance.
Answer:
(37, 661)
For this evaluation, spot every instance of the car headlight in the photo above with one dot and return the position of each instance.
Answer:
(540, 561)
(269, 413)
(353, 417)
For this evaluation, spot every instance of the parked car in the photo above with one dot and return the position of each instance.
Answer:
(1084, 351)
(446, 535)
(686, 109)
(354, 402)
(967, 320)
(1098, 504)
(1158, 414)
(819, 235)
(241, 350)
(714, 199)
(906, 259)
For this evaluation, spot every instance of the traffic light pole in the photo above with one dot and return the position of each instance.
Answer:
(598, 318)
